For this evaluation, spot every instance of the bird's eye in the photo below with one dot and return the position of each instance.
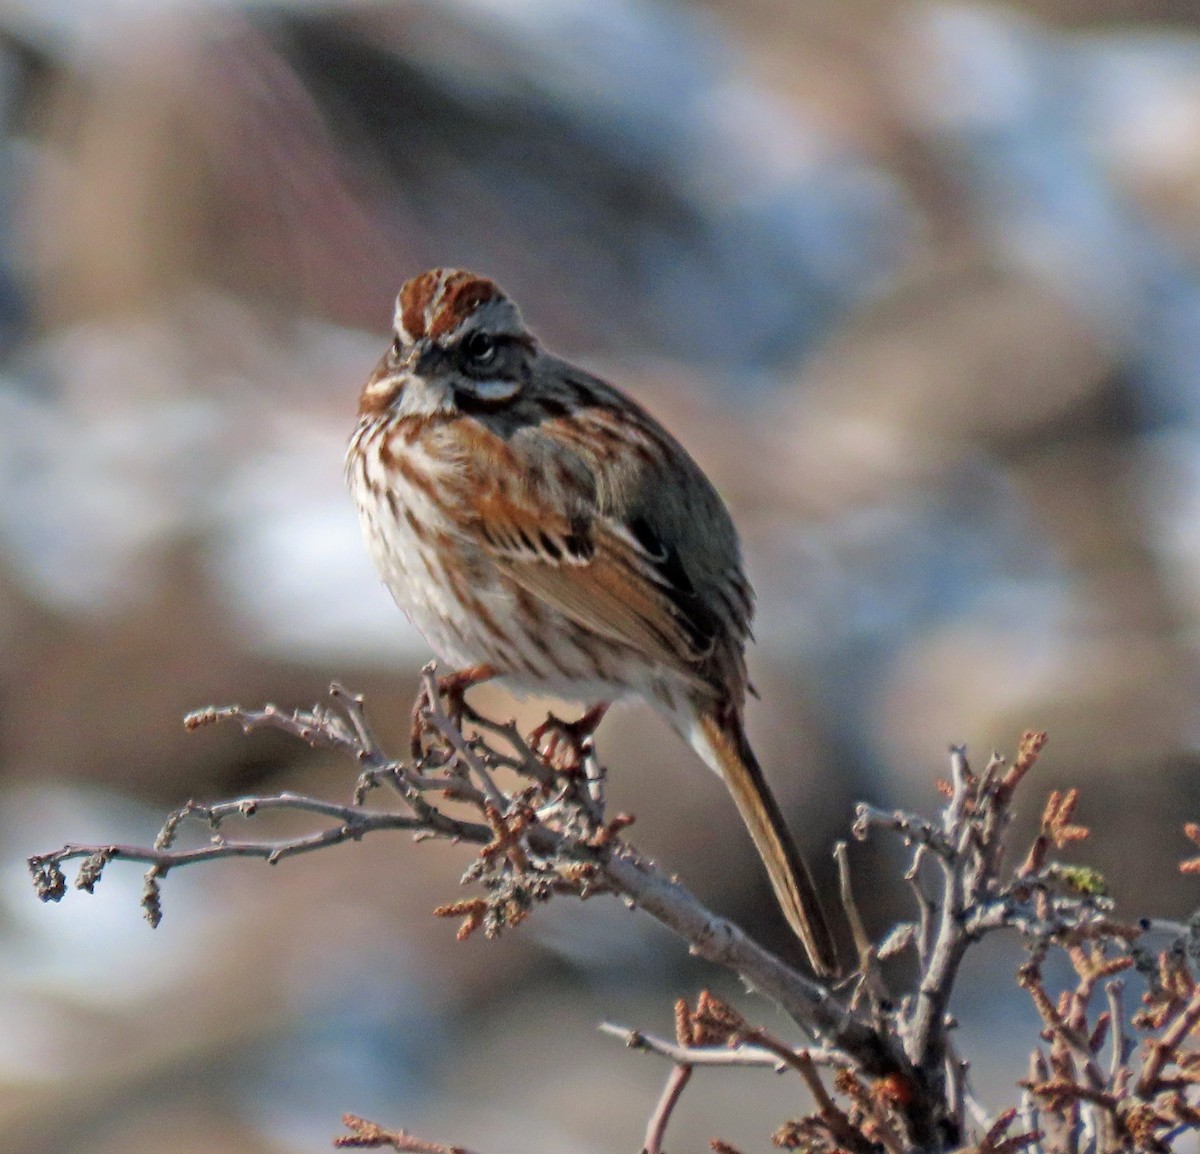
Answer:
(397, 347)
(479, 348)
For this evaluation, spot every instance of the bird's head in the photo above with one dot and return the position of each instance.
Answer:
(458, 345)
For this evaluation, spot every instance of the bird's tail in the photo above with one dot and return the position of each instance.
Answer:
(723, 746)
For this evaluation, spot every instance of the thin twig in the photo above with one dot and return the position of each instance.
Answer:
(863, 947)
(926, 911)
(1121, 1046)
(840, 1128)
(656, 1129)
(1165, 1048)
(961, 780)
(525, 760)
(912, 828)
(453, 734)
(366, 1135)
(742, 1055)
(352, 704)
(355, 823)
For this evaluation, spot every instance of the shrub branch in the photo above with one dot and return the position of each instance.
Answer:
(879, 1068)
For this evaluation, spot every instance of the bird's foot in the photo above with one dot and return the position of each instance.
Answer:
(563, 745)
(451, 689)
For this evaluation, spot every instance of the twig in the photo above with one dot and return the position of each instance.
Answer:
(525, 760)
(742, 1055)
(916, 830)
(1028, 1112)
(369, 749)
(595, 774)
(956, 1087)
(962, 781)
(366, 1135)
(1165, 1049)
(656, 1130)
(354, 823)
(1121, 1046)
(925, 906)
(863, 947)
(840, 1127)
(453, 734)
(927, 1025)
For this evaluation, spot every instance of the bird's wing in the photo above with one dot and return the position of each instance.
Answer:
(612, 578)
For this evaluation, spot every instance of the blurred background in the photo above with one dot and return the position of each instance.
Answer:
(917, 282)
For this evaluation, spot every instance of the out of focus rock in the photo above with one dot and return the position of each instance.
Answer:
(944, 365)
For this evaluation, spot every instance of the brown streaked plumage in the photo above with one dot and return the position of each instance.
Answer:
(537, 524)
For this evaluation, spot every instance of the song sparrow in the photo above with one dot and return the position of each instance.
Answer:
(536, 524)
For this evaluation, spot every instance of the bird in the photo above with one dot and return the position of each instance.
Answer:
(539, 526)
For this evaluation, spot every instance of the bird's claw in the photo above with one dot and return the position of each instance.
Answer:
(452, 691)
(563, 745)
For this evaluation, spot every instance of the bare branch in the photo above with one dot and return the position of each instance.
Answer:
(535, 854)
(536, 819)
(354, 823)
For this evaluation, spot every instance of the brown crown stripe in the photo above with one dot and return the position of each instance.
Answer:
(462, 295)
(436, 302)
(415, 298)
